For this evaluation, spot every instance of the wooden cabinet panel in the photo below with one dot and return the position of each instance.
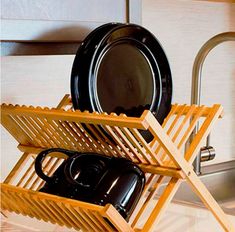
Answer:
(57, 19)
(69, 10)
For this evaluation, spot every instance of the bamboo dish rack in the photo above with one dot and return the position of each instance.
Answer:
(163, 159)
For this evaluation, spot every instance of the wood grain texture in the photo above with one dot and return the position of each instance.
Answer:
(131, 144)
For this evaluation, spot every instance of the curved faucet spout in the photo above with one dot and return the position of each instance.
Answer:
(199, 60)
(196, 79)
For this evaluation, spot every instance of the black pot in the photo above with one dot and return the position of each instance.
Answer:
(122, 68)
(95, 178)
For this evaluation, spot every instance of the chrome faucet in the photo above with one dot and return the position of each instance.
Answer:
(196, 84)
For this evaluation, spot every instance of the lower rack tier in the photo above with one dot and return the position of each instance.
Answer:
(65, 212)
(165, 159)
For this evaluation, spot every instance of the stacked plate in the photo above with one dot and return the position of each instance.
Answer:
(122, 68)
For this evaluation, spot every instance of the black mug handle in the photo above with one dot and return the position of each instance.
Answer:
(41, 157)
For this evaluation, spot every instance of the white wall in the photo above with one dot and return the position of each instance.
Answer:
(183, 27)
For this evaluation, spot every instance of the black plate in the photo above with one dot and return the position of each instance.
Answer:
(125, 70)
(81, 66)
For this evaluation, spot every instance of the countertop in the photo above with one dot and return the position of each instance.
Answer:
(177, 218)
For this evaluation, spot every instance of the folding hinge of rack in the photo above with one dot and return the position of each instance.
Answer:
(164, 160)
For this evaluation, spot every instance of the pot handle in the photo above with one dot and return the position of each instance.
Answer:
(41, 157)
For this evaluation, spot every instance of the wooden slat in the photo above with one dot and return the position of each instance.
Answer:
(98, 226)
(4, 206)
(203, 132)
(51, 212)
(28, 122)
(205, 112)
(188, 132)
(148, 199)
(162, 203)
(159, 150)
(72, 143)
(6, 197)
(192, 125)
(77, 116)
(72, 135)
(166, 171)
(88, 220)
(195, 182)
(62, 135)
(80, 221)
(176, 119)
(200, 189)
(80, 135)
(38, 131)
(45, 170)
(28, 171)
(151, 152)
(49, 172)
(44, 128)
(14, 129)
(184, 121)
(116, 219)
(141, 155)
(29, 178)
(166, 143)
(50, 132)
(25, 130)
(103, 143)
(22, 208)
(76, 223)
(60, 213)
(66, 100)
(40, 210)
(124, 140)
(103, 222)
(32, 212)
(83, 220)
(125, 151)
(150, 179)
(154, 143)
(17, 168)
(63, 141)
(82, 138)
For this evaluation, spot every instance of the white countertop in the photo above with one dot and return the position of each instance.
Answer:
(177, 218)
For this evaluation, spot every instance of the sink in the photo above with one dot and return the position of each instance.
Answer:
(219, 180)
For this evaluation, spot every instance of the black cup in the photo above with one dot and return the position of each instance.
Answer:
(94, 178)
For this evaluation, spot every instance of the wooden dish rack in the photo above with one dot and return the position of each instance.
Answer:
(164, 159)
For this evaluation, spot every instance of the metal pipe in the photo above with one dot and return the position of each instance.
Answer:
(196, 78)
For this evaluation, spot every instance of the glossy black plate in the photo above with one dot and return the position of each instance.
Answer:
(125, 70)
(81, 66)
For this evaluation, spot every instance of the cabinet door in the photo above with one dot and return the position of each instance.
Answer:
(53, 20)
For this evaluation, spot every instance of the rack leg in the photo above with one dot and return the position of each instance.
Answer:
(162, 203)
(200, 189)
(117, 220)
